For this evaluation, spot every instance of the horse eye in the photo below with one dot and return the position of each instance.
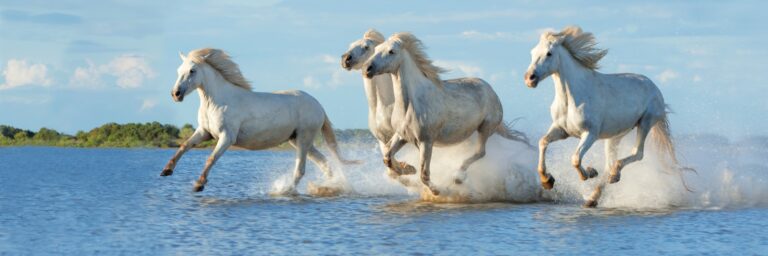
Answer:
(191, 71)
(365, 47)
(391, 52)
(549, 53)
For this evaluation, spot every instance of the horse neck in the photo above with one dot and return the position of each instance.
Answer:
(409, 82)
(379, 90)
(216, 90)
(572, 79)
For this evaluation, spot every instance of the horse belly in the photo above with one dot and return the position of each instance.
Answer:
(255, 139)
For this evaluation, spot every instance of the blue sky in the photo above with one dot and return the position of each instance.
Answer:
(74, 65)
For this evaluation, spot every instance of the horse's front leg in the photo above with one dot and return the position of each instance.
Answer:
(225, 140)
(554, 133)
(611, 148)
(396, 168)
(200, 135)
(587, 139)
(425, 153)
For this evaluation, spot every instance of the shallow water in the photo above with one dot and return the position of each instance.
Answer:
(113, 201)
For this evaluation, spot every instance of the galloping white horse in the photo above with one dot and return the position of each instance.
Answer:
(380, 96)
(429, 111)
(232, 113)
(590, 105)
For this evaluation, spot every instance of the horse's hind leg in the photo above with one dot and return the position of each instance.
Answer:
(484, 134)
(587, 139)
(637, 153)
(301, 161)
(320, 160)
(554, 133)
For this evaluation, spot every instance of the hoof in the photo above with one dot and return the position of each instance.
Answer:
(591, 172)
(590, 204)
(198, 188)
(549, 183)
(166, 172)
(460, 177)
(614, 178)
(407, 169)
(435, 192)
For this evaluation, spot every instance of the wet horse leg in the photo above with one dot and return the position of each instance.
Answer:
(425, 153)
(587, 139)
(200, 135)
(480, 153)
(221, 146)
(611, 148)
(554, 133)
(637, 153)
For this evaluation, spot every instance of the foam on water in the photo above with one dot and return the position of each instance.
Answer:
(727, 174)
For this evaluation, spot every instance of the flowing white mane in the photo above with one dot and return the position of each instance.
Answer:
(221, 62)
(414, 46)
(374, 35)
(581, 45)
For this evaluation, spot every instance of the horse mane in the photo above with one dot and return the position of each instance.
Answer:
(220, 61)
(374, 35)
(413, 45)
(581, 45)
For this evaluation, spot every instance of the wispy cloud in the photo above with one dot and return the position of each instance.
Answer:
(464, 68)
(329, 74)
(49, 18)
(20, 73)
(148, 104)
(130, 71)
(667, 75)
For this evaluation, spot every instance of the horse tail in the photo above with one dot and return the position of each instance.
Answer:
(330, 142)
(506, 131)
(662, 137)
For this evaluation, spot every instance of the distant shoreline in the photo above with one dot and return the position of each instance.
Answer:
(130, 135)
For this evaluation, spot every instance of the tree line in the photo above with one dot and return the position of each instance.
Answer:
(152, 134)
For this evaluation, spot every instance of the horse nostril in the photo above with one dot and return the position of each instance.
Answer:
(177, 93)
(532, 77)
(369, 68)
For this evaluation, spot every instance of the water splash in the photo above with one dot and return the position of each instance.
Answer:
(729, 174)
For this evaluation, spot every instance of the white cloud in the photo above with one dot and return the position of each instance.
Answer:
(465, 69)
(667, 75)
(20, 73)
(696, 78)
(129, 71)
(311, 82)
(474, 34)
(148, 104)
(327, 72)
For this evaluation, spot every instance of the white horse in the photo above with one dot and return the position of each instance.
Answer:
(380, 96)
(590, 105)
(234, 115)
(429, 111)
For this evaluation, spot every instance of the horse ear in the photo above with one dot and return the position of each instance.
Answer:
(181, 55)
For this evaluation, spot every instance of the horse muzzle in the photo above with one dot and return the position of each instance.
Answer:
(531, 80)
(177, 96)
(346, 61)
(369, 71)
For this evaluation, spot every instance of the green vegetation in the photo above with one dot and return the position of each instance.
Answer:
(125, 135)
